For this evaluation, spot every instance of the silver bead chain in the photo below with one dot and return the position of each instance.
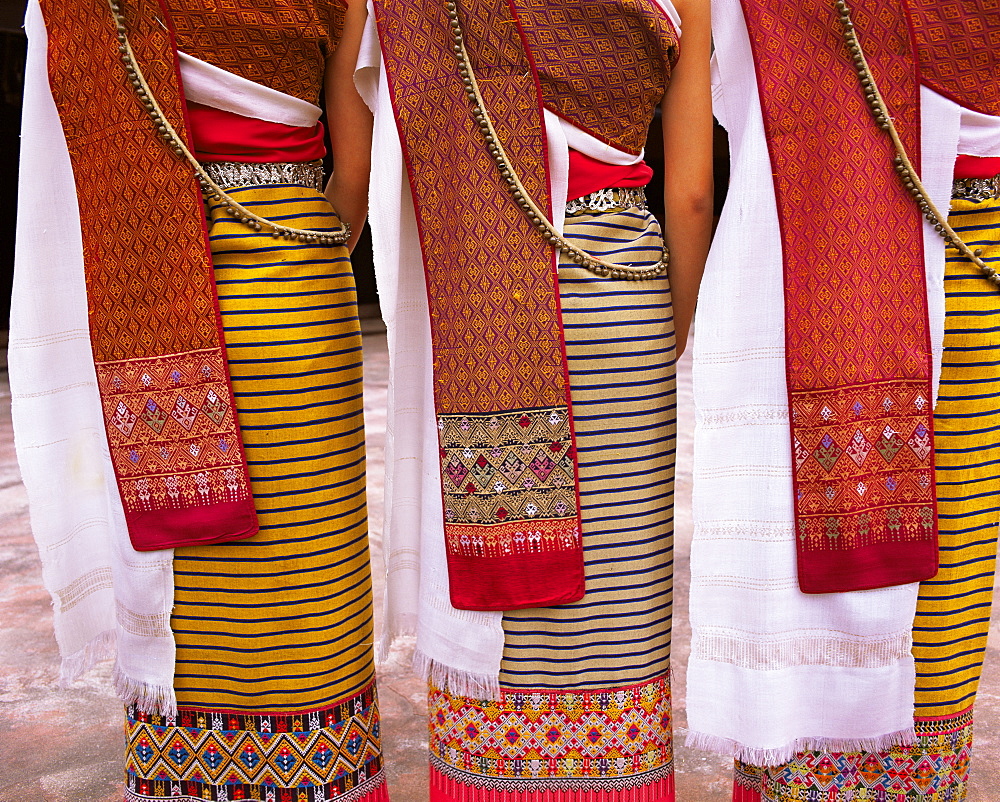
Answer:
(907, 173)
(208, 187)
(517, 189)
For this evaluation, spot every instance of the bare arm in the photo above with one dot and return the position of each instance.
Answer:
(350, 124)
(687, 156)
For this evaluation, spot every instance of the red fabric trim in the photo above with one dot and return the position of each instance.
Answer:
(875, 566)
(587, 174)
(977, 166)
(516, 581)
(219, 135)
(446, 789)
(194, 526)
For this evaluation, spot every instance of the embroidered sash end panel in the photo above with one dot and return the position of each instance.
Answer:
(856, 331)
(601, 745)
(315, 756)
(509, 494)
(154, 324)
(958, 43)
(501, 394)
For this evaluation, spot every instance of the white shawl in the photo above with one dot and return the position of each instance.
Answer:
(774, 671)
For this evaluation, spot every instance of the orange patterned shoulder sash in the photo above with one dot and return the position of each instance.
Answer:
(154, 324)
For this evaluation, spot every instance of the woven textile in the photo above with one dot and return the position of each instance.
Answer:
(497, 344)
(953, 609)
(860, 403)
(282, 44)
(584, 709)
(175, 445)
(332, 753)
(567, 39)
(283, 621)
(958, 43)
(274, 633)
(759, 644)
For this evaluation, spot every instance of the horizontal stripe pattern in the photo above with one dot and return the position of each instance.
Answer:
(283, 621)
(953, 611)
(621, 358)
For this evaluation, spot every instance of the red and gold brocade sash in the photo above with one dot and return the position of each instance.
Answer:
(154, 324)
(508, 467)
(856, 328)
(958, 44)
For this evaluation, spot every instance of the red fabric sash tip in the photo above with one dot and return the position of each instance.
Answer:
(193, 526)
(878, 565)
(516, 581)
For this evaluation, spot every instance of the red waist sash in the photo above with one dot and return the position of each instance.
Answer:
(222, 136)
(587, 175)
(976, 166)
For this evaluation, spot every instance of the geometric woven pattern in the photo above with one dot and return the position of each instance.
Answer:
(283, 44)
(316, 756)
(599, 740)
(508, 468)
(171, 436)
(856, 332)
(150, 292)
(958, 42)
(604, 71)
(933, 769)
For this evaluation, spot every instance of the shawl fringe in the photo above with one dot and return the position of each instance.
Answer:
(455, 681)
(148, 698)
(98, 649)
(757, 756)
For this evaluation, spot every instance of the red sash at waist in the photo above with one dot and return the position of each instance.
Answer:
(587, 175)
(222, 136)
(977, 166)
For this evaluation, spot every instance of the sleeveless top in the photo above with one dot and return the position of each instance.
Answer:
(282, 44)
(624, 58)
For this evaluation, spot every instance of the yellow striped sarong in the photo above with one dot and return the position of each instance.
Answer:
(274, 673)
(953, 608)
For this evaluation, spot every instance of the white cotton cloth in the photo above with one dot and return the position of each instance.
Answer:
(213, 86)
(104, 593)
(460, 647)
(109, 600)
(774, 671)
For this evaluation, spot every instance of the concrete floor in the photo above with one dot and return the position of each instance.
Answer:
(65, 744)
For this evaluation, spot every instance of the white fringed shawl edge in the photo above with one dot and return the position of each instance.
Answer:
(774, 671)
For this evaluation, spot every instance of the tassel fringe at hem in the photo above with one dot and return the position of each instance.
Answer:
(455, 681)
(148, 698)
(97, 650)
(756, 756)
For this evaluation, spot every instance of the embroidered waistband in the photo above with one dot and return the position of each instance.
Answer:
(608, 200)
(976, 189)
(248, 174)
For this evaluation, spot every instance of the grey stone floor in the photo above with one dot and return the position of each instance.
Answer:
(64, 744)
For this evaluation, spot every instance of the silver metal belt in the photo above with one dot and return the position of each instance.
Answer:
(976, 189)
(608, 200)
(249, 174)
